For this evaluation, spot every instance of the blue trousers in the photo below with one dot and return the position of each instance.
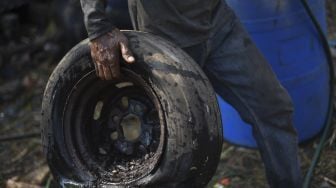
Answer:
(242, 76)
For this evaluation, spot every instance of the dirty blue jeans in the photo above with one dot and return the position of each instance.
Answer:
(241, 75)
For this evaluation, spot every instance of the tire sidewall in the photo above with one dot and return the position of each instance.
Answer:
(188, 101)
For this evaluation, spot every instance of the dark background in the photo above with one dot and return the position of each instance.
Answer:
(34, 35)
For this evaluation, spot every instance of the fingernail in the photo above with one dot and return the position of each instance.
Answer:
(131, 58)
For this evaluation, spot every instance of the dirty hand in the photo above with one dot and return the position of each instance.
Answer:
(105, 52)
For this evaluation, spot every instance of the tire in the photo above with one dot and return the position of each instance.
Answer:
(164, 93)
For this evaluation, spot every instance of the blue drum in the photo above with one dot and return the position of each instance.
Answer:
(284, 33)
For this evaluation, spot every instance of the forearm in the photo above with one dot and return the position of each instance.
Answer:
(95, 19)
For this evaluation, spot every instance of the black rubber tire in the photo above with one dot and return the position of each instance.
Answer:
(192, 122)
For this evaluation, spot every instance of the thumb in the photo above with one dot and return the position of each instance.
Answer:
(126, 53)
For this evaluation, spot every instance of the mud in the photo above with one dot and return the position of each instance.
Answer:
(29, 51)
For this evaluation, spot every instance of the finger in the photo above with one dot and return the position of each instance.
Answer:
(126, 53)
(95, 59)
(96, 69)
(94, 63)
(115, 71)
(114, 65)
(107, 73)
(100, 71)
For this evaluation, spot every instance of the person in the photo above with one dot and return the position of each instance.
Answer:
(210, 32)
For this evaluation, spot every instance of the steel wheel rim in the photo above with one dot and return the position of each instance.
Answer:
(110, 164)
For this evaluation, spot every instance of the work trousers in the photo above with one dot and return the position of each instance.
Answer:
(241, 76)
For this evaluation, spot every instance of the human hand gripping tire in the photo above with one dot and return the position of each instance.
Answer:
(105, 52)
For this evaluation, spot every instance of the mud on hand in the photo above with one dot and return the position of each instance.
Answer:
(105, 53)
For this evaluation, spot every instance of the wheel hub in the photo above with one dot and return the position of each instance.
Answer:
(117, 129)
(131, 127)
(127, 126)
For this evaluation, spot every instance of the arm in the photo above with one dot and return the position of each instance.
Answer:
(106, 41)
(95, 19)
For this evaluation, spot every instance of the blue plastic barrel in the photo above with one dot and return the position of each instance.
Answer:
(284, 33)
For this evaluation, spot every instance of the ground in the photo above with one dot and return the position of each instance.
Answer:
(29, 50)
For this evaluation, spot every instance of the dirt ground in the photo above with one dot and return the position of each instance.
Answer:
(30, 48)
